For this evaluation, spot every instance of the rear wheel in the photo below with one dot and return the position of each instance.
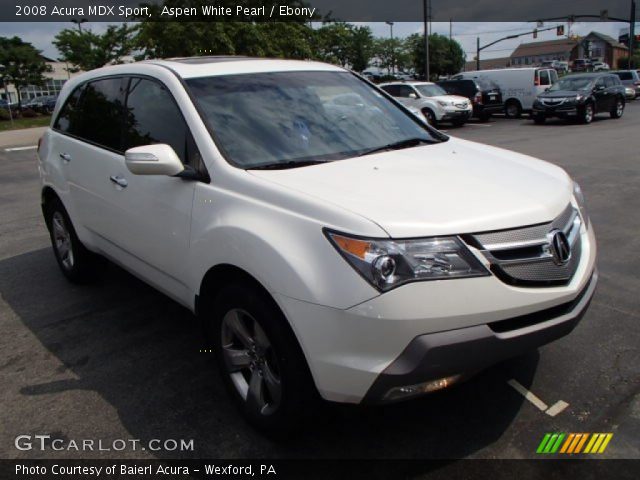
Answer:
(259, 358)
(618, 109)
(586, 115)
(513, 109)
(77, 263)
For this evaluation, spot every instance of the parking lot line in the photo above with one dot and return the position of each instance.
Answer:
(557, 408)
(19, 149)
(528, 395)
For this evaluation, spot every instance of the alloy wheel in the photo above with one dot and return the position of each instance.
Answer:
(250, 362)
(619, 108)
(62, 240)
(588, 113)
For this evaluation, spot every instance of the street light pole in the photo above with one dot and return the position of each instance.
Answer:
(393, 56)
(79, 22)
(426, 7)
(632, 32)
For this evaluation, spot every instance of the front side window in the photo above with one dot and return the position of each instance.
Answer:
(152, 116)
(405, 91)
(102, 105)
(430, 90)
(277, 118)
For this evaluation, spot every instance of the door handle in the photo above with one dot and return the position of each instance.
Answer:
(120, 181)
(66, 157)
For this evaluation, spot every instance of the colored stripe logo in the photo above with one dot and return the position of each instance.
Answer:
(574, 443)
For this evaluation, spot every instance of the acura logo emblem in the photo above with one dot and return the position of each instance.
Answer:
(559, 247)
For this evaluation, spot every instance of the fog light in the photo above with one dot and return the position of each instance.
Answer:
(406, 391)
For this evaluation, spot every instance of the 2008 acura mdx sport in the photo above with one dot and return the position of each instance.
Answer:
(349, 251)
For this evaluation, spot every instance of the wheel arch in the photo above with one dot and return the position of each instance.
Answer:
(47, 196)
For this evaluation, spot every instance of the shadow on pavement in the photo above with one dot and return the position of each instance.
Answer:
(140, 352)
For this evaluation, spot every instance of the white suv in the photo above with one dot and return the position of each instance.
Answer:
(345, 250)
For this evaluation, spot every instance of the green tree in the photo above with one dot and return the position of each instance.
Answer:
(23, 63)
(446, 56)
(332, 43)
(391, 54)
(360, 48)
(87, 50)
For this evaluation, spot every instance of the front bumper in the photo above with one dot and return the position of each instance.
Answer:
(356, 353)
(552, 111)
(469, 350)
(456, 114)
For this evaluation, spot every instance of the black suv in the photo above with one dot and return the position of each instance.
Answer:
(581, 96)
(485, 96)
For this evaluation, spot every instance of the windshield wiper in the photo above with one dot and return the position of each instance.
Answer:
(408, 143)
(288, 164)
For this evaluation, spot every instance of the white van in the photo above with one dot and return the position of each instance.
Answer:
(519, 86)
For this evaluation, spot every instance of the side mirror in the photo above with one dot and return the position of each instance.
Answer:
(599, 88)
(547, 89)
(158, 159)
(413, 95)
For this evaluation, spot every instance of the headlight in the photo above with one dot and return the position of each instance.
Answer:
(443, 103)
(579, 97)
(385, 264)
(577, 194)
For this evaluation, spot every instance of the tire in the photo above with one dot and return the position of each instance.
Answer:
(513, 109)
(430, 116)
(539, 119)
(618, 109)
(259, 359)
(77, 263)
(587, 113)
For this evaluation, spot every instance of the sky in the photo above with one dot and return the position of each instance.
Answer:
(41, 34)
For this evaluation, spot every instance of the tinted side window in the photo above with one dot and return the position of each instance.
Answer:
(609, 82)
(393, 90)
(102, 110)
(69, 119)
(600, 82)
(153, 116)
(405, 91)
(544, 77)
(624, 75)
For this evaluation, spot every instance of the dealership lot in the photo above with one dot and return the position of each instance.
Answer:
(118, 360)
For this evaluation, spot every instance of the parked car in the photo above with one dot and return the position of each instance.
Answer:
(581, 96)
(43, 104)
(435, 104)
(629, 78)
(600, 66)
(558, 65)
(581, 65)
(359, 260)
(630, 92)
(6, 105)
(519, 86)
(485, 96)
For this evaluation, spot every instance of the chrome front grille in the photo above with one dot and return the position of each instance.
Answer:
(544, 254)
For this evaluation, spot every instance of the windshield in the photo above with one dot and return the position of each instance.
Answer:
(430, 90)
(576, 83)
(300, 117)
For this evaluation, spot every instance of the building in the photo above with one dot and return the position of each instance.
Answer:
(488, 64)
(534, 53)
(599, 46)
(56, 75)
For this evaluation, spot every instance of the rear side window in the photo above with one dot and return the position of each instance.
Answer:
(69, 119)
(405, 91)
(102, 111)
(153, 117)
(624, 75)
(544, 77)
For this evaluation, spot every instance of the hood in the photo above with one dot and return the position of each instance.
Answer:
(450, 99)
(452, 187)
(562, 93)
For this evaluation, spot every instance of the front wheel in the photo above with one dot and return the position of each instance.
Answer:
(259, 358)
(539, 119)
(77, 263)
(618, 109)
(430, 116)
(586, 116)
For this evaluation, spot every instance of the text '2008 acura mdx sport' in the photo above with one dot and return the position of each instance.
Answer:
(347, 252)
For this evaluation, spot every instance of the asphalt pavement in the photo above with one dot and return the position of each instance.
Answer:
(118, 360)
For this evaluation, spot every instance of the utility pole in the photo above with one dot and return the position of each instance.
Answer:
(477, 53)
(6, 92)
(632, 32)
(426, 6)
(79, 22)
(393, 53)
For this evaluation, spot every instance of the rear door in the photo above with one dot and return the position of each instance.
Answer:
(603, 95)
